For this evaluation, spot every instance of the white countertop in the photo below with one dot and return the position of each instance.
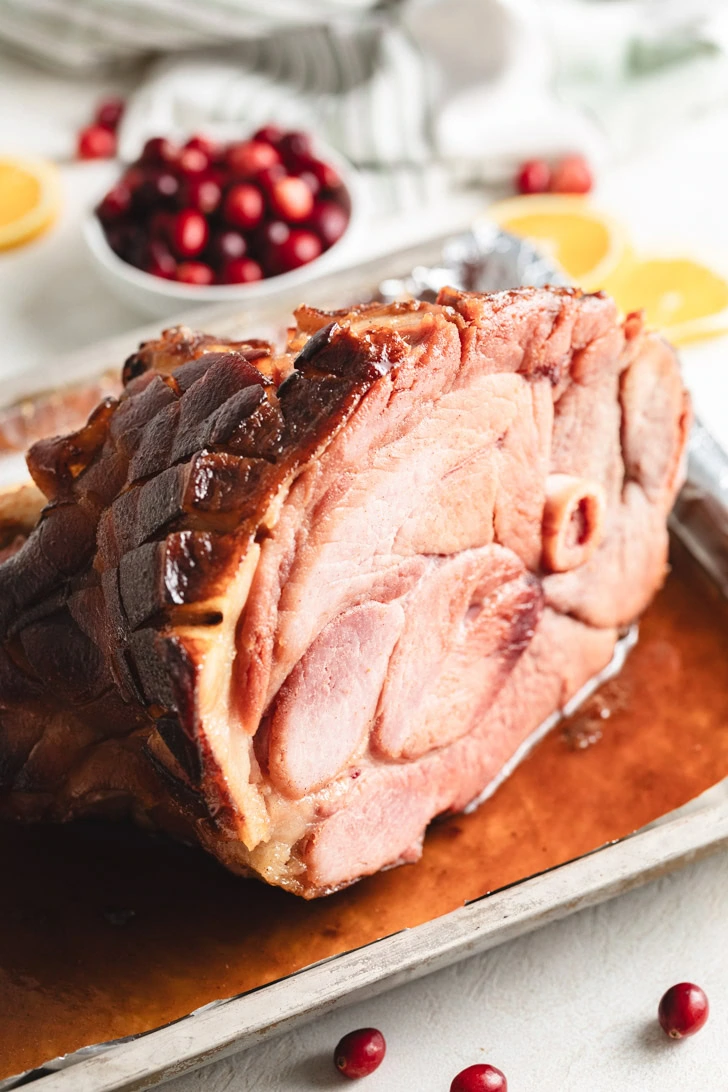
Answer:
(572, 1007)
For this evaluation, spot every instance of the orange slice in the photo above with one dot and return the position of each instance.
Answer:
(681, 297)
(29, 199)
(586, 243)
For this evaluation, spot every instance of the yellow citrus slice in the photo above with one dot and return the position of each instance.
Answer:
(682, 298)
(585, 242)
(29, 199)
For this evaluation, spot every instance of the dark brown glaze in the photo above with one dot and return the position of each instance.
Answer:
(105, 933)
(153, 504)
(53, 412)
(180, 344)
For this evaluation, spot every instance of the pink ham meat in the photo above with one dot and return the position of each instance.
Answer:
(296, 606)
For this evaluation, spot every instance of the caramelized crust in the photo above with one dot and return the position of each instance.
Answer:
(246, 551)
(153, 506)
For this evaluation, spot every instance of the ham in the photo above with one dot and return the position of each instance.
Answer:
(295, 605)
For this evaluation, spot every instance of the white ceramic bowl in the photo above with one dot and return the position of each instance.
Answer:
(160, 298)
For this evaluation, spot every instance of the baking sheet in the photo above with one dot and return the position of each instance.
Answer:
(110, 937)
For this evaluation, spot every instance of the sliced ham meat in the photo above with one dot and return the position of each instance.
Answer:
(295, 605)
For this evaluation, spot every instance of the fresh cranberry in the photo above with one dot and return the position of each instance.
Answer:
(359, 1053)
(161, 223)
(204, 144)
(227, 246)
(195, 273)
(480, 1078)
(328, 219)
(243, 206)
(159, 150)
(294, 144)
(116, 203)
(534, 176)
(241, 271)
(159, 187)
(268, 177)
(109, 113)
(269, 134)
(268, 239)
(683, 1010)
(96, 142)
(250, 157)
(133, 177)
(300, 248)
(272, 233)
(291, 199)
(193, 161)
(160, 262)
(129, 242)
(117, 236)
(572, 175)
(329, 178)
(310, 179)
(189, 233)
(203, 194)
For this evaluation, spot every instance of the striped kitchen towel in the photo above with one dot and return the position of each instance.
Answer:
(418, 94)
(94, 34)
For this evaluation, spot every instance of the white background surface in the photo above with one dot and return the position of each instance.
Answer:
(572, 1007)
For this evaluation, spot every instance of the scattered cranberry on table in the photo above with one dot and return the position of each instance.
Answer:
(359, 1053)
(683, 1010)
(207, 213)
(109, 113)
(480, 1078)
(96, 142)
(534, 176)
(572, 174)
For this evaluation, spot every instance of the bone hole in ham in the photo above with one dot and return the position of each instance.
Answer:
(573, 521)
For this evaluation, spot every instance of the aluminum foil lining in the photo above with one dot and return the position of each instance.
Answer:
(484, 259)
(489, 260)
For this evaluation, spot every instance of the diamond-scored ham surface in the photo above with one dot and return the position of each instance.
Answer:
(294, 605)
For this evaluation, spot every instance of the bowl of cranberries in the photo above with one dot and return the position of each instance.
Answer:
(208, 222)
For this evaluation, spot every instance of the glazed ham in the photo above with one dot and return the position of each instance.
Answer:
(296, 606)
